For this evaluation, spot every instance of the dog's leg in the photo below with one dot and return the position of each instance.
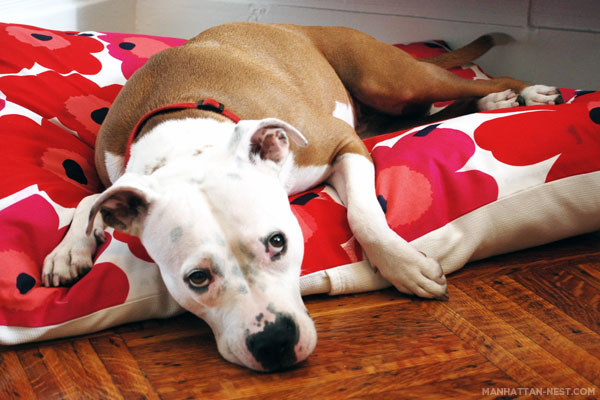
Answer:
(402, 265)
(72, 258)
(388, 79)
(431, 83)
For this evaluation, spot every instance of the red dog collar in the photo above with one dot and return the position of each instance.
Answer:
(207, 104)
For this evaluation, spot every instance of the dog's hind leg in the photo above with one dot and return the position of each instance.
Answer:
(72, 258)
(388, 79)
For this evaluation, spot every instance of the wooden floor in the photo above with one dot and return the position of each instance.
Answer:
(524, 325)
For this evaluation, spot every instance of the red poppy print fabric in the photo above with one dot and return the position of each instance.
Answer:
(311, 209)
(62, 52)
(42, 155)
(437, 173)
(134, 50)
(22, 251)
(76, 103)
(433, 190)
(576, 145)
(55, 90)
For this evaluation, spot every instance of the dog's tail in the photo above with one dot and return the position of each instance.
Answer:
(470, 52)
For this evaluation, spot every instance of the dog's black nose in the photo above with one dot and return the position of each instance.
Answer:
(273, 347)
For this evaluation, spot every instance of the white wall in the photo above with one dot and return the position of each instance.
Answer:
(556, 41)
(79, 15)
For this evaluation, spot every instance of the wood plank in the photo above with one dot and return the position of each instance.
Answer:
(330, 382)
(576, 249)
(380, 379)
(66, 369)
(462, 388)
(512, 340)
(351, 344)
(566, 350)
(181, 327)
(98, 380)
(563, 284)
(13, 380)
(551, 315)
(468, 330)
(124, 369)
(327, 305)
(42, 381)
(62, 373)
(479, 386)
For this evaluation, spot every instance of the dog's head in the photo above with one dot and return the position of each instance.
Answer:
(229, 249)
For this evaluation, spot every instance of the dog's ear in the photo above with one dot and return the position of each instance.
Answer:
(124, 205)
(266, 139)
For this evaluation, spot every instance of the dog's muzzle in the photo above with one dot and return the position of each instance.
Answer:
(273, 347)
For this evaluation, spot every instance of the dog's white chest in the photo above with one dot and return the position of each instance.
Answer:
(296, 178)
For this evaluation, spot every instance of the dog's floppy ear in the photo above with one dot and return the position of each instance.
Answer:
(124, 205)
(266, 139)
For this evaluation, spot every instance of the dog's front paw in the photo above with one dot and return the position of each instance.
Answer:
(71, 259)
(495, 101)
(540, 95)
(413, 273)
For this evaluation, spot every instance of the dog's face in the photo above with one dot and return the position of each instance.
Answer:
(228, 246)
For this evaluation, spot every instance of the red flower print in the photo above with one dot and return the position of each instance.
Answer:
(59, 51)
(567, 131)
(584, 96)
(29, 232)
(325, 245)
(58, 162)
(134, 50)
(78, 103)
(418, 184)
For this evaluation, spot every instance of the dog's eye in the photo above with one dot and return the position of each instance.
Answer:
(277, 241)
(199, 279)
(275, 245)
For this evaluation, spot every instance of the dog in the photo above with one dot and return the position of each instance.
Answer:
(206, 141)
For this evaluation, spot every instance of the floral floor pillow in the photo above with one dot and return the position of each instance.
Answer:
(459, 190)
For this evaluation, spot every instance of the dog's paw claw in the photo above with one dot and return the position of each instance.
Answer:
(559, 100)
(443, 297)
(68, 262)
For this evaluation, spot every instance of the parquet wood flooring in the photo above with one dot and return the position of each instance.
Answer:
(522, 325)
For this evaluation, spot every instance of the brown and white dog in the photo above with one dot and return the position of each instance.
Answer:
(206, 186)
